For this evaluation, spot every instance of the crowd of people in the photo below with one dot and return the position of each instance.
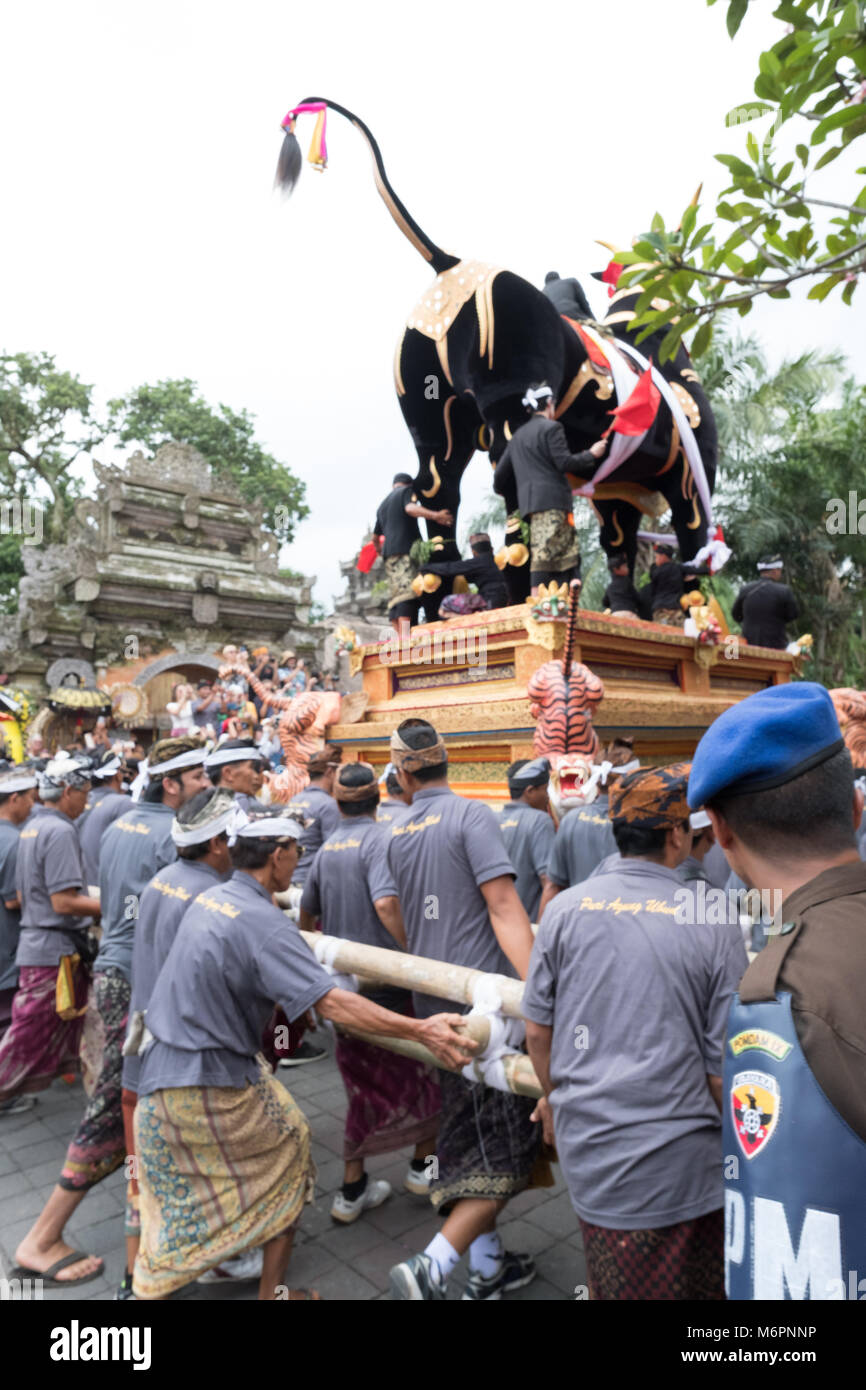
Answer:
(145, 938)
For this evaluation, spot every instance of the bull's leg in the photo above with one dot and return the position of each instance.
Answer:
(619, 522)
(689, 517)
(444, 428)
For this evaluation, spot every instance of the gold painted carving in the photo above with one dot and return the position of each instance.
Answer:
(649, 503)
(588, 372)
(549, 635)
(688, 403)
(398, 374)
(439, 306)
(706, 655)
(437, 481)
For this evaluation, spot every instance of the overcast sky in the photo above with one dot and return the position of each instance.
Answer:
(142, 239)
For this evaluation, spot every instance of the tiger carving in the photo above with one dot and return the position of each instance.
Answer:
(563, 694)
(850, 706)
(300, 729)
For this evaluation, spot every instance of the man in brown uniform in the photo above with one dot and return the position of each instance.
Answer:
(778, 786)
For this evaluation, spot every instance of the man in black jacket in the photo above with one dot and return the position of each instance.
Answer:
(765, 606)
(621, 596)
(531, 477)
(668, 580)
(396, 529)
(482, 571)
(567, 296)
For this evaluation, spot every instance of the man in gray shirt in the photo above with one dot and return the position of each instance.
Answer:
(106, 802)
(135, 846)
(393, 1101)
(456, 890)
(626, 1004)
(41, 1044)
(17, 793)
(316, 805)
(527, 830)
(238, 767)
(199, 833)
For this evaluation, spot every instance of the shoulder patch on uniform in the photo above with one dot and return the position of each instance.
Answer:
(755, 1105)
(761, 1040)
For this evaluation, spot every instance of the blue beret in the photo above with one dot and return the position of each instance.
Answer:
(764, 741)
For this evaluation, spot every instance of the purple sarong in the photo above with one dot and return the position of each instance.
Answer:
(39, 1045)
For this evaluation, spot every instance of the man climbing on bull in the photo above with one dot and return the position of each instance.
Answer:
(531, 477)
(396, 529)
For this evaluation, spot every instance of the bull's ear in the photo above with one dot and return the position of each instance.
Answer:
(289, 163)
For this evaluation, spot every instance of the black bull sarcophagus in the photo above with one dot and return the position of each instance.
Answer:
(479, 335)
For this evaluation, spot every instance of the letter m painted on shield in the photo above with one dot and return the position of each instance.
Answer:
(816, 1266)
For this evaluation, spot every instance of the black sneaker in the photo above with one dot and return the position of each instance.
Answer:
(513, 1273)
(18, 1105)
(304, 1053)
(125, 1290)
(417, 1280)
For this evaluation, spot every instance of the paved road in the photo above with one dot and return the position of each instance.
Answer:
(341, 1262)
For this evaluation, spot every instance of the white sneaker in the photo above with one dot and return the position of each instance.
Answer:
(375, 1193)
(418, 1181)
(238, 1270)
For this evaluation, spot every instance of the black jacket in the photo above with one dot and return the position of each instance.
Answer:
(480, 570)
(621, 595)
(400, 531)
(531, 473)
(567, 297)
(764, 607)
(669, 582)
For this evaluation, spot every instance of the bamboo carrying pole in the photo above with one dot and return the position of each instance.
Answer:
(518, 1069)
(427, 976)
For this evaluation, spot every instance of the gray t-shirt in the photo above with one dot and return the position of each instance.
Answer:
(234, 956)
(104, 806)
(439, 854)
(134, 848)
(349, 873)
(163, 904)
(584, 838)
(322, 809)
(638, 1004)
(10, 917)
(49, 861)
(716, 866)
(528, 836)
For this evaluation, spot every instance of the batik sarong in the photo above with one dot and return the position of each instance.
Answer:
(220, 1170)
(400, 570)
(553, 542)
(99, 1147)
(456, 605)
(394, 1102)
(487, 1144)
(39, 1045)
(683, 1261)
(669, 617)
(132, 1216)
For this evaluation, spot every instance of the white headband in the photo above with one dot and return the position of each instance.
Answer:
(107, 769)
(771, 565)
(220, 756)
(146, 773)
(533, 396)
(699, 820)
(269, 828)
(231, 820)
(17, 782)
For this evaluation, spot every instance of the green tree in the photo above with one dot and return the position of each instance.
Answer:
(769, 230)
(174, 410)
(786, 451)
(46, 427)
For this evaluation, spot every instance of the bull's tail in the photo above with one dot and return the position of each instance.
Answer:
(290, 162)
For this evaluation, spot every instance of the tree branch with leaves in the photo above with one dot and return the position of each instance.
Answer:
(770, 229)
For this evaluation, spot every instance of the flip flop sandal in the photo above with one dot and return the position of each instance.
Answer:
(48, 1276)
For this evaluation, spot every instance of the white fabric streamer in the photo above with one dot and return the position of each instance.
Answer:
(506, 1035)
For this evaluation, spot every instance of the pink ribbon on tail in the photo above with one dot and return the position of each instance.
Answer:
(305, 106)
